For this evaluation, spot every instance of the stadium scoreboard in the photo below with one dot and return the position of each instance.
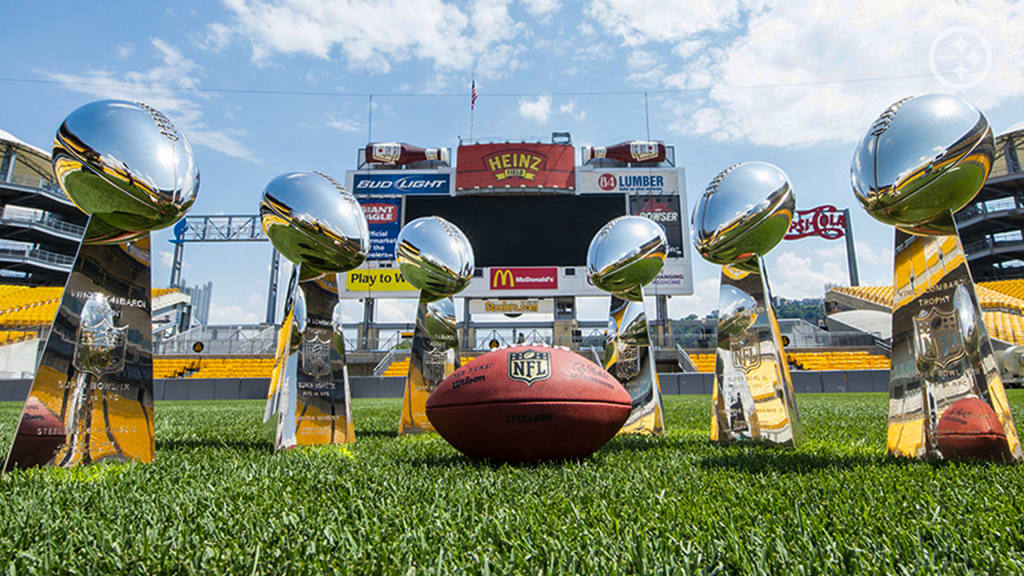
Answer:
(530, 214)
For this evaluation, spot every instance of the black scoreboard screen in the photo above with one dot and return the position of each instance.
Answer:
(524, 230)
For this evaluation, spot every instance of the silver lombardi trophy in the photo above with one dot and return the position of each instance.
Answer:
(127, 167)
(624, 256)
(921, 161)
(436, 257)
(317, 225)
(742, 215)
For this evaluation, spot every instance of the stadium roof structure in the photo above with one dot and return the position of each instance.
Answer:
(6, 136)
(992, 226)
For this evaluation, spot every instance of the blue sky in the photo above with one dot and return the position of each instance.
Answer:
(792, 83)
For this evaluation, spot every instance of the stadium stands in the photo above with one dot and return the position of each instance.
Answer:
(1002, 304)
(838, 360)
(35, 306)
(212, 366)
(704, 362)
(824, 360)
(24, 306)
(397, 368)
(1014, 288)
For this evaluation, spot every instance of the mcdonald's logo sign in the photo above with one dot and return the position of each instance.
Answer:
(524, 278)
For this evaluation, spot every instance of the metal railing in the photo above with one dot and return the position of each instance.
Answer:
(51, 224)
(49, 188)
(38, 255)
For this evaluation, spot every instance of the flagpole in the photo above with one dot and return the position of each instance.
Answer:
(472, 108)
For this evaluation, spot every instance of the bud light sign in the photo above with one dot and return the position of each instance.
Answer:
(401, 183)
(384, 217)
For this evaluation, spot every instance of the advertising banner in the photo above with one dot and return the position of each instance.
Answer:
(512, 306)
(377, 280)
(536, 165)
(665, 211)
(531, 283)
(399, 182)
(384, 217)
(627, 180)
(531, 278)
(825, 221)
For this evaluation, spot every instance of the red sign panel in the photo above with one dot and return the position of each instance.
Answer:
(545, 278)
(486, 166)
(826, 222)
(380, 213)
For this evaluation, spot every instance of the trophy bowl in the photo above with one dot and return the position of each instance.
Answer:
(435, 256)
(626, 254)
(125, 164)
(314, 222)
(921, 161)
(745, 212)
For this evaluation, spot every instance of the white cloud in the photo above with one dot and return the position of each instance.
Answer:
(794, 276)
(569, 109)
(168, 87)
(644, 67)
(395, 311)
(373, 36)
(344, 124)
(703, 300)
(538, 110)
(166, 258)
(216, 37)
(124, 50)
(233, 314)
(542, 8)
(784, 74)
(637, 22)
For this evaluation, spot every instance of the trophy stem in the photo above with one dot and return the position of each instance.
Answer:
(629, 358)
(94, 378)
(434, 355)
(324, 404)
(753, 395)
(282, 353)
(941, 351)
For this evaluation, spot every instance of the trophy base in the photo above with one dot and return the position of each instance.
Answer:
(309, 388)
(91, 399)
(941, 356)
(753, 393)
(629, 358)
(324, 406)
(434, 355)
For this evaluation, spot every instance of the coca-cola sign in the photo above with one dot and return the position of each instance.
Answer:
(663, 209)
(825, 221)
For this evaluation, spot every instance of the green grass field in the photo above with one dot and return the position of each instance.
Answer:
(217, 501)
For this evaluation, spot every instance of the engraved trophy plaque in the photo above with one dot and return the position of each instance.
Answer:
(742, 215)
(317, 225)
(922, 160)
(437, 258)
(91, 400)
(624, 256)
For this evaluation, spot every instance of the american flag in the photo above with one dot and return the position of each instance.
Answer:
(472, 99)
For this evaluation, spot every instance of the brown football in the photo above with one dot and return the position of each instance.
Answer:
(40, 433)
(970, 429)
(529, 403)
